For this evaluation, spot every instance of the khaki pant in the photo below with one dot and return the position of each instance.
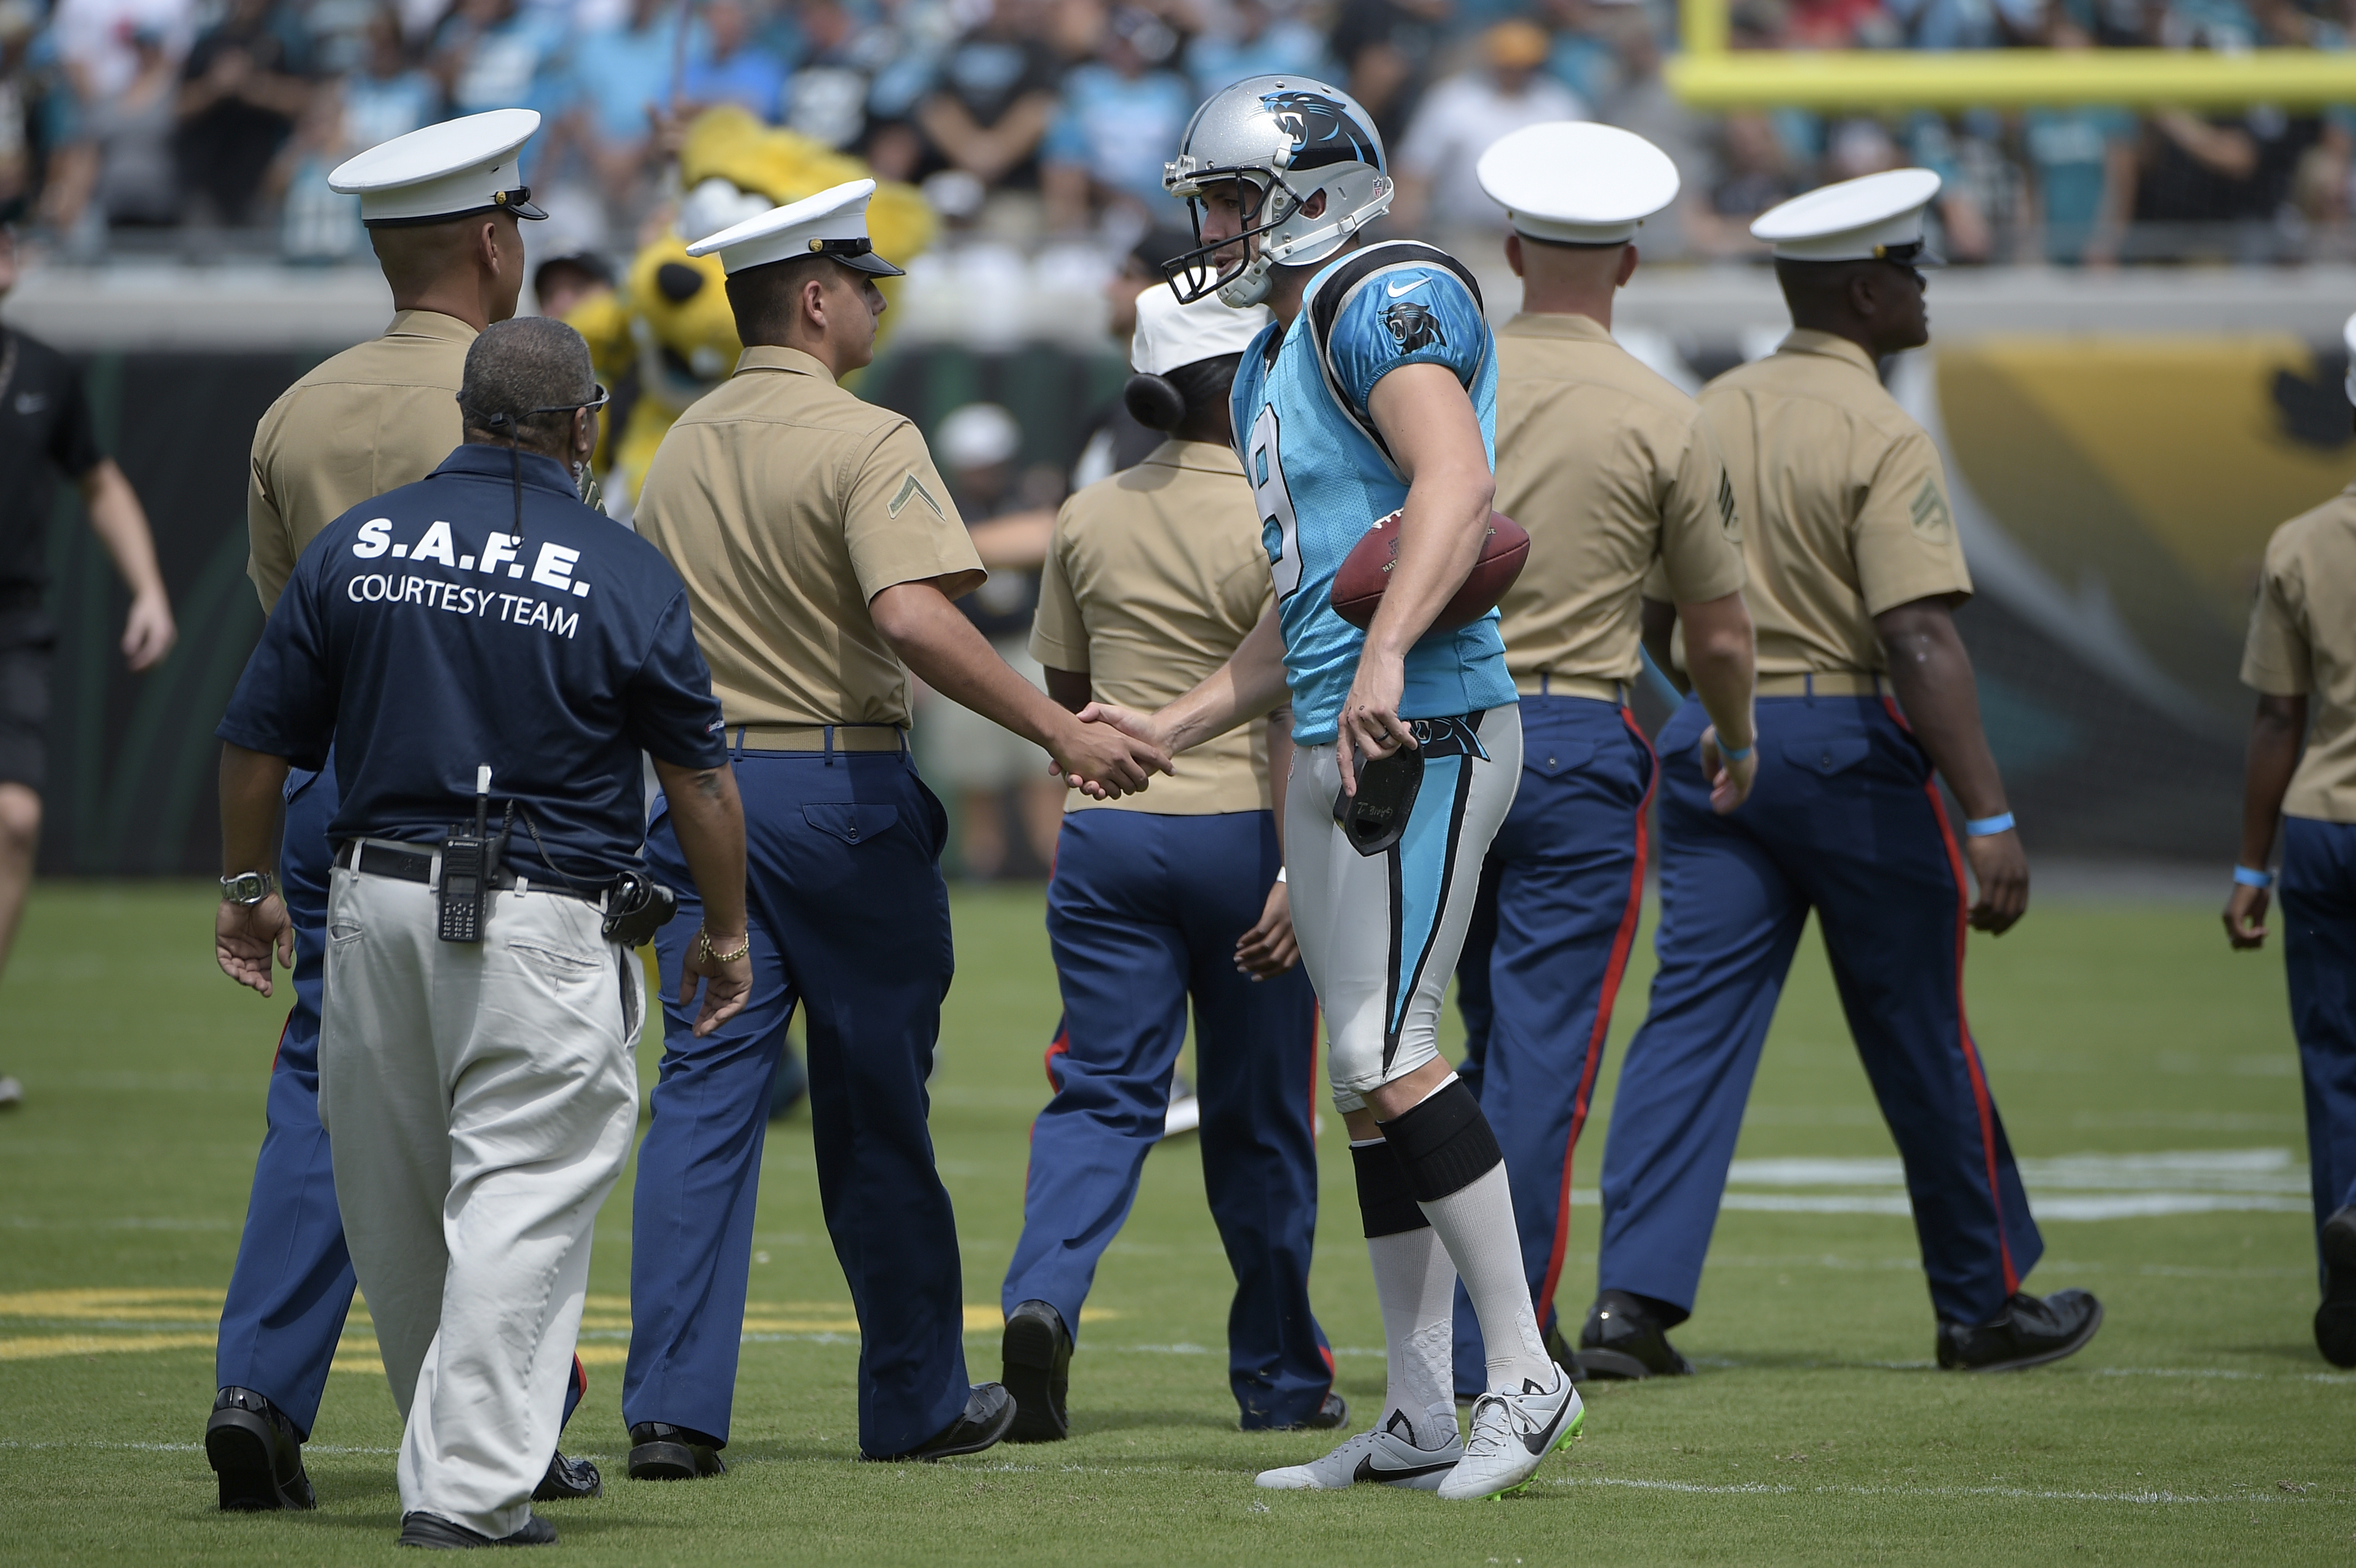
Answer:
(480, 1101)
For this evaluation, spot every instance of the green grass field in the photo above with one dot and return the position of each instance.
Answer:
(2201, 1426)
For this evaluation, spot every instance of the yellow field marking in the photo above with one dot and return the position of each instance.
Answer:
(43, 1347)
(137, 1305)
(360, 1356)
(356, 1354)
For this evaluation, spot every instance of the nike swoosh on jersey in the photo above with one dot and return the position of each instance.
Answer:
(1408, 290)
(1368, 1470)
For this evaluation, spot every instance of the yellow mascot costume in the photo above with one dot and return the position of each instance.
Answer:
(669, 321)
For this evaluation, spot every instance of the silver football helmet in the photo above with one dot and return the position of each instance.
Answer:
(1286, 138)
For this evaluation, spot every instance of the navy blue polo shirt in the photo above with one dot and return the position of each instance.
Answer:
(423, 637)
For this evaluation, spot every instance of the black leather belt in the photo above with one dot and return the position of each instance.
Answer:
(417, 866)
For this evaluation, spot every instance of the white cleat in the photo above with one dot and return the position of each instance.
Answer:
(1382, 1456)
(1512, 1436)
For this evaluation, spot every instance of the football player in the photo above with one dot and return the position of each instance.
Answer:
(1375, 392)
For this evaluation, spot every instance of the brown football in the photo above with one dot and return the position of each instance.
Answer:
(1367, 571)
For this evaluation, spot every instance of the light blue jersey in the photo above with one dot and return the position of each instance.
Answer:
(1322, 477)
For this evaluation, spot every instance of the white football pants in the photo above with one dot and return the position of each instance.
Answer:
(1380, 934)
(480, 1100)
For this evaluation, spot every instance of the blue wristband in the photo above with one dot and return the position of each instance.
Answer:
(1727, 753)
(2249, 878)
(1988, 825)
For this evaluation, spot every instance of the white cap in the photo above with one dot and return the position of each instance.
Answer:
(831, 223)
(1170, 334)
(1576, 183)
(977, 436)
(1878, 217)
(452, 170)
(2348, 336)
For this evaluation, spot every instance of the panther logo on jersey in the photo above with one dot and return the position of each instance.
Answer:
(1322, 132)
(1413, 326)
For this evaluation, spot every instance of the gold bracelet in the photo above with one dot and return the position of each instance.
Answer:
(703, 940)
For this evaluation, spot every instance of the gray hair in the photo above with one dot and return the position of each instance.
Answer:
(516, 367)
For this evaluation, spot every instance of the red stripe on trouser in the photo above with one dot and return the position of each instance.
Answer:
(1059, 1046)
(1623, 943)
(1972, 1069)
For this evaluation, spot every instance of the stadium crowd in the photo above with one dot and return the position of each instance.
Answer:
(196, 127)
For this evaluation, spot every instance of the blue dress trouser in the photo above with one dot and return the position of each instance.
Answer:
(1845, 819)
(2318, 914)
(850, 917)
(1560, 895)
(1143, 914)
(293, 1283)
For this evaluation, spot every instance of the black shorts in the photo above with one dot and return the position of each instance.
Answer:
(25, 715)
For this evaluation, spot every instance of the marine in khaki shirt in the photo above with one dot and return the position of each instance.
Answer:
(2302, 645)
(820, 550)
(1612, 472)
(2300, 786)
(376, 417)
(1153, 577)
(787, 505)
(1844, 502)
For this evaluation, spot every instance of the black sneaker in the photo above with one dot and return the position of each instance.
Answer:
(1625, 1338)
(1037, 1353)
(1332, 1411)
(988, 1412)
(569, 1480)
(2032, 1332)
(2335, 1321)
(662, 1452)
(257, 1454)
(434, 1534)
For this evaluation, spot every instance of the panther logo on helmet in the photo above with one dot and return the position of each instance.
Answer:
(1322, 132)
(1413, 326)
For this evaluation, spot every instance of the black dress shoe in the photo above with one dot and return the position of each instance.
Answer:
(1558, 1350)
(569, 1480)
(1625, 1338)
(1332, 1410)
(1037, 1353)
(662, 1452)
(2032, 1332)
(257, 1454)
(2335, 1321)
(988, 1412)
(434, 1534)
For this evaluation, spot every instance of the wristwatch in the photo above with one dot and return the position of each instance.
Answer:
(248, 888)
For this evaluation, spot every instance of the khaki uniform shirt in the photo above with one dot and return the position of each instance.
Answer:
(1154, 576)
(1843, 500)
(372, 419)
(1610, 469)
(787, 505)
(2303, 640)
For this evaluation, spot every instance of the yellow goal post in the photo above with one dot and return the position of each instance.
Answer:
(1709, 75)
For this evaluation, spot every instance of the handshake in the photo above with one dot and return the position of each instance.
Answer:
(1108, 751)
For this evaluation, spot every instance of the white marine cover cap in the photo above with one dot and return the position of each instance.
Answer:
(831, 223)
(1170, 334)
(1876, 217)
(1576, 183)
(454, 169)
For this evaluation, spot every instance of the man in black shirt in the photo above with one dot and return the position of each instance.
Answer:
(45, 429)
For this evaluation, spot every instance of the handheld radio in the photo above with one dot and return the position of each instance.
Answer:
(469, 860)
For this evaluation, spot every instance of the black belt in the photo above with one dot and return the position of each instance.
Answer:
(417, 866)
